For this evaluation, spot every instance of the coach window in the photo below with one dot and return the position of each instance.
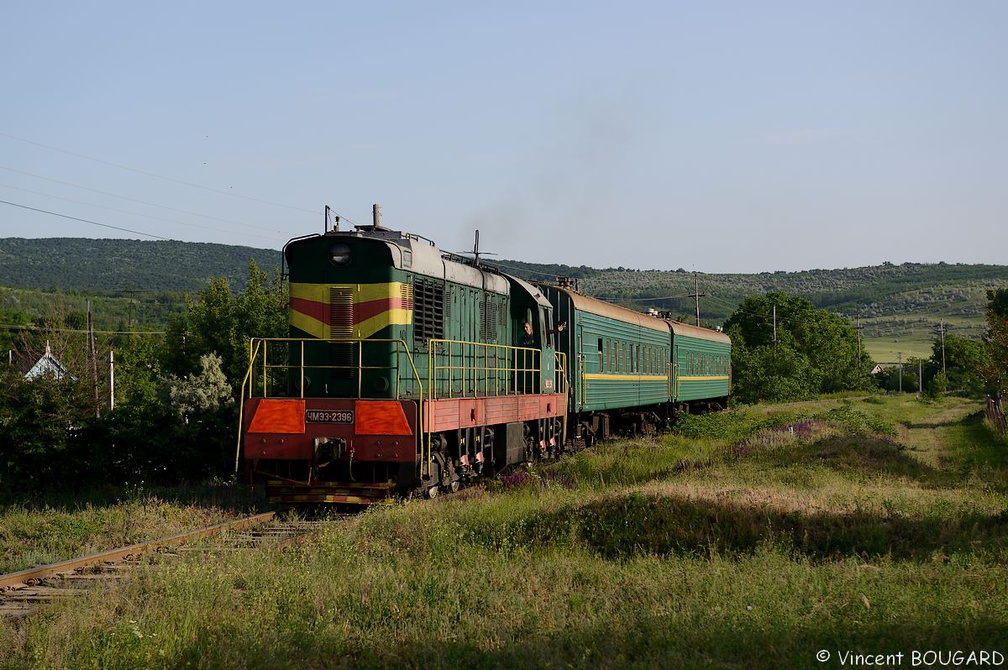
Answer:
(600, 354)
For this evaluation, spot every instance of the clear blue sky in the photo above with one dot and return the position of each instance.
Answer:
(709, 136)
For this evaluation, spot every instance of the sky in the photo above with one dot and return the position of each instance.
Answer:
(722, 136)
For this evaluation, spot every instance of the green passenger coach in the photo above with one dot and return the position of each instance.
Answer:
(701, 371)
(631, 371)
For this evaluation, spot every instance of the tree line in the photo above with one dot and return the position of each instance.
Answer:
(785, 349)
(175, 408)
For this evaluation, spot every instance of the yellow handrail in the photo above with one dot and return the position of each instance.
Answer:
(459, 368)
(478, 369)
(259, 348)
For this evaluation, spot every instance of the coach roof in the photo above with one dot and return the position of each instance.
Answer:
(593, 306)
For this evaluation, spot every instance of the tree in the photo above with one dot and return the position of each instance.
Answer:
(200, 394)
(783, 348)
(963, 361)
(206, 358)
(39, 418)
(995, 368)
(220, 322)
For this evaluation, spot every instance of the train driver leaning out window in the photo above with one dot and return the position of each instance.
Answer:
(528, 338)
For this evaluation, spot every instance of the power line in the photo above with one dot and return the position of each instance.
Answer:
(654, 299)
(146, 216)
(156, 176)
(127, 198)
(45, 329)
(74, 218)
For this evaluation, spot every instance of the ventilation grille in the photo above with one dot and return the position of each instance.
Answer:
(428, 312)
(341, 328)
(340, 314)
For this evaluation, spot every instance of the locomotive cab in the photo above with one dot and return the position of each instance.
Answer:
(536, 355)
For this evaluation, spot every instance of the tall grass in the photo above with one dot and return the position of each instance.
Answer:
(859, 530)
(57, 527)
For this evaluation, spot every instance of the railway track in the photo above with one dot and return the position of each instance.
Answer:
(25, 592)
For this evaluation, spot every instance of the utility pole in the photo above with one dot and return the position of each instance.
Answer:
(696, 294)
(775, 325)
(857, 332)
(93, 356)
(899, 365)
(943, 344)
(111, 379)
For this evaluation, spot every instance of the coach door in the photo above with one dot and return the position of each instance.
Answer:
(580, 384)
(674, 374)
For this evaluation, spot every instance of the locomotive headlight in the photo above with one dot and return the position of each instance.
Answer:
(339, 254)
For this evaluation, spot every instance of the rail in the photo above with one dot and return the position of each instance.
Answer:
(26, 591)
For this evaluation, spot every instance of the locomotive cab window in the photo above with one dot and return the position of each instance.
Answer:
(339, 255)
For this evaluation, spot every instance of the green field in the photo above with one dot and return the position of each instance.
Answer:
(758, 537)
(889, 351)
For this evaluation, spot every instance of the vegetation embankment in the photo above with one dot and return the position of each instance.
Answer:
(752, 538)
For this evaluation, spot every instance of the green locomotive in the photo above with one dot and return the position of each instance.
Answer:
(409, 370)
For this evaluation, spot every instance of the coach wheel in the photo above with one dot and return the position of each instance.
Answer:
(432, 492)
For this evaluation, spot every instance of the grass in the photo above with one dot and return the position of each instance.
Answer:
(57, 527)
(752, 538)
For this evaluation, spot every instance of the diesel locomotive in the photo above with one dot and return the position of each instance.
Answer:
(409, 370)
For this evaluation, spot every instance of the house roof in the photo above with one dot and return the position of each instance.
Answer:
(33, 364)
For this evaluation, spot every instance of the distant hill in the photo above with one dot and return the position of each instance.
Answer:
(118, 266)
(893, 303)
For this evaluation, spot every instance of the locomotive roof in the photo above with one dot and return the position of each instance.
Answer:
(532, 290)
(423, 257)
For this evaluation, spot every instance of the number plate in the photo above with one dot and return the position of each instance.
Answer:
(329, 416)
